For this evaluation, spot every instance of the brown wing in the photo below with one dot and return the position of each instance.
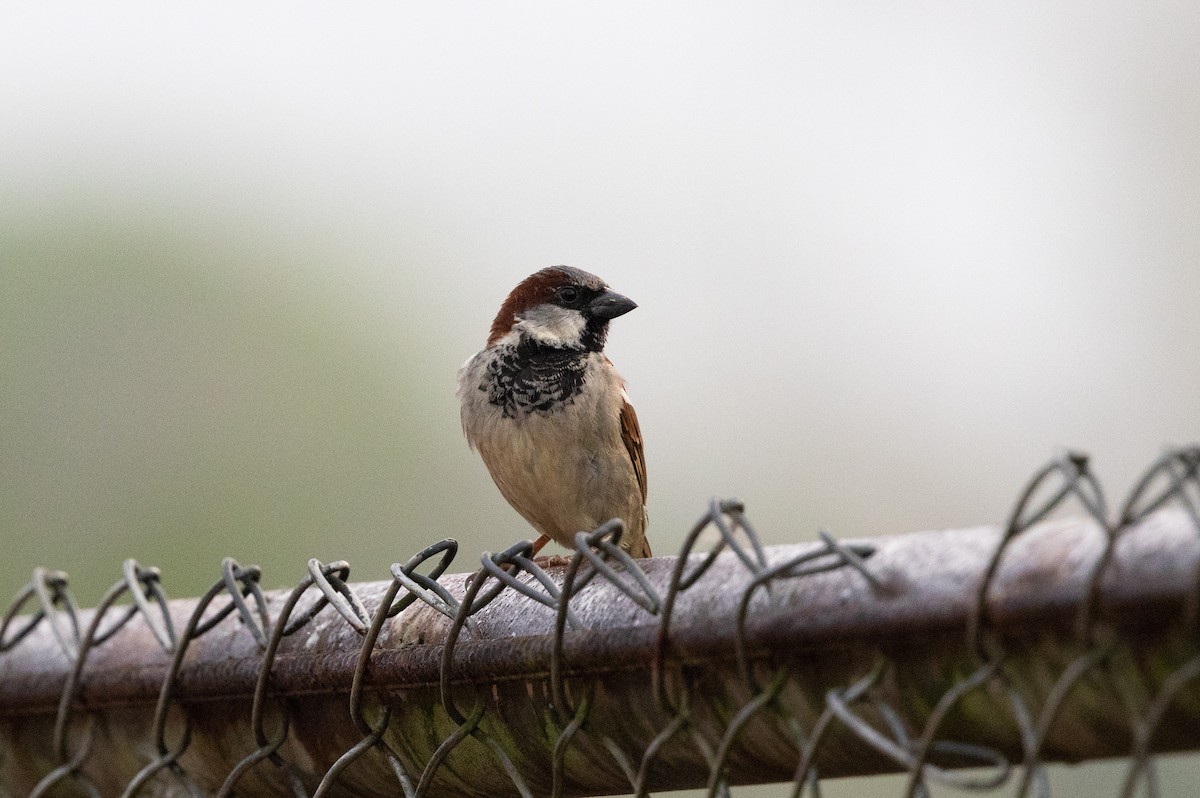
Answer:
(631, 434)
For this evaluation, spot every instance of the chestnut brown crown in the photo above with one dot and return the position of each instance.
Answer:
(541, 287)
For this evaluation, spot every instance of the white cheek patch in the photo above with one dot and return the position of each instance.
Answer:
(554, 326)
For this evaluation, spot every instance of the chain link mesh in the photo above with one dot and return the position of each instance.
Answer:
(921, 745)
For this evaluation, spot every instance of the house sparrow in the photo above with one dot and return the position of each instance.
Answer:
(545, 408)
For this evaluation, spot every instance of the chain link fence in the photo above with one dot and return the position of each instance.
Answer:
(965, 657)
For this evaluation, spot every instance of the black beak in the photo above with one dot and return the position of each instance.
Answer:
(609, 305)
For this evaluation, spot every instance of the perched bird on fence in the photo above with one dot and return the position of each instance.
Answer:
(546, 409)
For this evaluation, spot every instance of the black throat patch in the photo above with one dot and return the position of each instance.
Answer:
(531, 378)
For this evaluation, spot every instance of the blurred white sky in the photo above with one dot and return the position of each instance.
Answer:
(889, 256)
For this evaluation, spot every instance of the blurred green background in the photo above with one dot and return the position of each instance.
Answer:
(889, 258)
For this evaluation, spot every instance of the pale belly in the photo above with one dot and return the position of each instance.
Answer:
(565, 471)
(563, 480)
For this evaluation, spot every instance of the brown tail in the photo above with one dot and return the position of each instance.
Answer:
(642, 550)
(640, 545)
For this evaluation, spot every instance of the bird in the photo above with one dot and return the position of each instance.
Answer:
(548, 413)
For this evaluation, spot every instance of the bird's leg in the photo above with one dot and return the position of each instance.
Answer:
(551, 560)
(537, 546)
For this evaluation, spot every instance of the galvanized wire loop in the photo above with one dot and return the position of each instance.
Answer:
(8, 641)
(470, 601)
(331, 581)
(422, 586)
(345, 760)
(755, 558)
(234, 580)
(601, 546)
(918, 765)
(513, 555)
(1149, 723)
(1064, 477)
(852, 555)
(70, 766)
(166, 761)
(681, 579)
(715, 516)
(562, 706)
(1180, 469)
(806, 767)
(717, 764)
(465, 727)
(547, 595)
(388, 608)
(236, 584)
(135, 581)
(49, 588)
(832, 557)
(143, 584)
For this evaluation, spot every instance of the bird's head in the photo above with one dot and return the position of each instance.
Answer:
(560, 307)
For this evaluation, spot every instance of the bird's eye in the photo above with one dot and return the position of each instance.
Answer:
(568, 294)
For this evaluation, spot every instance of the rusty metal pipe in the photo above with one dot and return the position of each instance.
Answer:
(802, 639)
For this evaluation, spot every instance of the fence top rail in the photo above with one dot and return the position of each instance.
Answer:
(1068, 633)
(925, 584)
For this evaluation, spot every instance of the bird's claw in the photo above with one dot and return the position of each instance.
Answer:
(552, 561)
